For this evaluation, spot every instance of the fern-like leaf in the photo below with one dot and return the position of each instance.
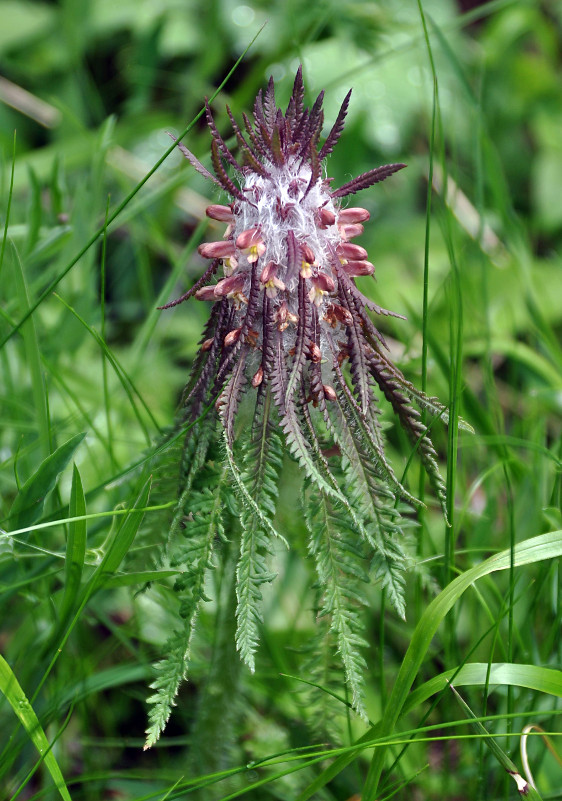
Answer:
(260, 465)
(339, 565)
(203, 522)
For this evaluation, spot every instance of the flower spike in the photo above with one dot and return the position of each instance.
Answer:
(291, 334)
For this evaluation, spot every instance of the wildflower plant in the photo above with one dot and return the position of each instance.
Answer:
(290, 362)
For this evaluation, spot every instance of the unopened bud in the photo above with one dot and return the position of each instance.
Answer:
(329, 392)
(230, 285)
(220, 213)
(206, 293)
(350, 231)
(248, 238)
(308, 254)
(216, 250)
(207, 344)
(232, 337)
(315, 353)
(357, 268)
(323, 282)
(327, 217)
(258, 377)
(269, 272)
(353, 215)
(347, 250)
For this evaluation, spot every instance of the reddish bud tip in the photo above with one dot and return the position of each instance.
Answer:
(258, 377)
(347, 250)
(248, 238)
(323, 282)
(216, 250)
(220, 213)
(206, 293)
(207, 344)
(327, 217)
(329, 392)
(357, 268)
(308, 254)
(353, 215)
(269, 272)
(350, 231)
(232, 337)
(229, 286)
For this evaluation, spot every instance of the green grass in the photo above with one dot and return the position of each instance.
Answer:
(101, 220)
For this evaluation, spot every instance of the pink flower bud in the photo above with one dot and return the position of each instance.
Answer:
(353, 215)
(258, 377)
(220, 213)
(251, 243)
(347, 250)
(323, 282)
(206, 293)
(327, 217)
(216, 250)
(248, 238)
(315, 353)
(356, 268)
(350, 231)
(232, 337)
(230, 286)
(269, 272)
(308, 254)
(329, 392)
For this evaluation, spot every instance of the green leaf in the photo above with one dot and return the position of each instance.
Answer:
(544, 680)
(17, 699)
(28, 504)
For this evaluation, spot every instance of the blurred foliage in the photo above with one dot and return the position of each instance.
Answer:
(91, 87)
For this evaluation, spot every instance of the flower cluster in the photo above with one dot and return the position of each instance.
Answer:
(288, 315)
(290, 360)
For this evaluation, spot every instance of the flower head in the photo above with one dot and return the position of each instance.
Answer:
(288, 310)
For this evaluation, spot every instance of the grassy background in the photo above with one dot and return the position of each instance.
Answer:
(106, 80)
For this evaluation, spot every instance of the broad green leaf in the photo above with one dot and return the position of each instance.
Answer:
(17, 699)
(28, 504)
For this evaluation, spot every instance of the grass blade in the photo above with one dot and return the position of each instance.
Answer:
(17, 699)
(523, 787)
(75, 545)
(29, 502)
(544, 680)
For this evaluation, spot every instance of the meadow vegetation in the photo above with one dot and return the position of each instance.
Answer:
(99, 229)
